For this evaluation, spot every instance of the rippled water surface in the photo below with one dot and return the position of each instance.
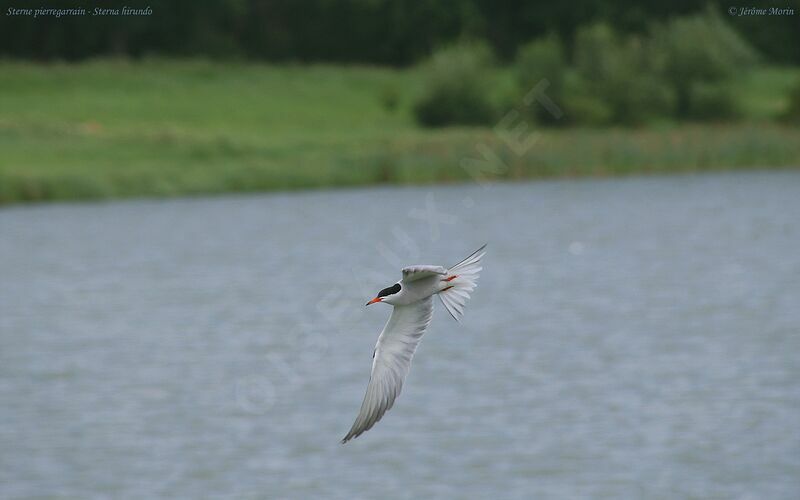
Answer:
(632, 338)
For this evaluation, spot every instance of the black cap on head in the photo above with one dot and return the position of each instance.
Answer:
(390, 290)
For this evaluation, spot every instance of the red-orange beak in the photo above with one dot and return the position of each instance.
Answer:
(376, 299)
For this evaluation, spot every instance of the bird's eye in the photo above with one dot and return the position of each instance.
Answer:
(389, 291)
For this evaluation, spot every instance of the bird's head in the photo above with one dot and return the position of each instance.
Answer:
(387, 294)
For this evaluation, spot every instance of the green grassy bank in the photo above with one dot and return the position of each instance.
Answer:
(110, 129)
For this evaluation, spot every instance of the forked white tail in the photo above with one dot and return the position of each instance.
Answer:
(461, 280)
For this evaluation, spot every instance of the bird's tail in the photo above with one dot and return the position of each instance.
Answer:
(461, 279)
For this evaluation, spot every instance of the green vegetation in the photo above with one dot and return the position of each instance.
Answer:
(387, 32)
(458, 86)
(765, 94)
(618, 79)
(681, 69)
(116, 129)
(792, 114)
(699, 55)
(536, 62)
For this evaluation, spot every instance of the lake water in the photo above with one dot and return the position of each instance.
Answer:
(629, 338)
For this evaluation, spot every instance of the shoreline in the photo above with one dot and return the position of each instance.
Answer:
(410, 185)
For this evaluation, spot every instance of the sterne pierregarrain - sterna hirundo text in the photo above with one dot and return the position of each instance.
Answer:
(412, 301)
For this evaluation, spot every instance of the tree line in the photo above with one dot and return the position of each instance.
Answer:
(393, 32)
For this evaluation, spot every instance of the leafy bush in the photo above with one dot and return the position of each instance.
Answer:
(457, 90)
(680, 70)
(792, 114)
(586, 109)
(618, 74)
(596, 52)
(711, 101)
(537, 61)
(699, 48)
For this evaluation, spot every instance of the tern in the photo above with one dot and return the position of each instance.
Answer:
(412, 298)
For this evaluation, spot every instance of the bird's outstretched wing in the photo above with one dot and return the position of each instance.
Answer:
(391, 362)
(413, 273)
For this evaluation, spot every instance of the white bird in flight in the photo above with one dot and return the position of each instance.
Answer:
(412, 298)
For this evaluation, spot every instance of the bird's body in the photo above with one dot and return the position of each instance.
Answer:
(412, 298)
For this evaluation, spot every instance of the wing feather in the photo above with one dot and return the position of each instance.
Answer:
(413, 273)
(391, 362)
